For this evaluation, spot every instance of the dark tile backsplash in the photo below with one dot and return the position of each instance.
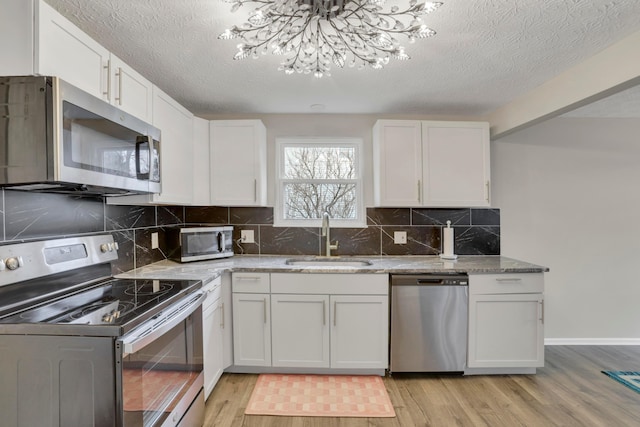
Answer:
(477, 231)
(206, 215)
(424, 216)
(35, 216)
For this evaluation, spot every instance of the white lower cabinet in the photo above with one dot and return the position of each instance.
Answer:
(212, 344)
(227, 321)
(506, 321)
(300, 330)
(251, 329)
(359, 331)
(315, 321)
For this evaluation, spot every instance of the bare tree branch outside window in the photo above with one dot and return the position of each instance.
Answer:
(319, 178)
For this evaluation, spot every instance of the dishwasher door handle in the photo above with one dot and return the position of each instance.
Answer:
(429, 281)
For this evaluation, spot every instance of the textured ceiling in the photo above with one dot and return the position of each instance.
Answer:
(486, 53)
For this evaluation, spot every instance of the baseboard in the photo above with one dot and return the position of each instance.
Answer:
(592, 341)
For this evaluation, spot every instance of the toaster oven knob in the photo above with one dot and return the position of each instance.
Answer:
(12, 263)
(2, 265)
(104, 248)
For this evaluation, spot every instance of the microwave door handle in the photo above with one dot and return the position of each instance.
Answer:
(143, 139)
(154, 147)
(220, 242)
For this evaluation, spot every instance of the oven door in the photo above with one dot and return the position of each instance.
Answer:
(160, 368)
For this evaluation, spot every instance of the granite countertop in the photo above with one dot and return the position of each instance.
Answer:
(475, 264)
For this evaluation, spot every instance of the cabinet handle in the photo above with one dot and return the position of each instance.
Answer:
(488, 191)
(542, 311)
(508, 279)
(222, 315)
(247, 278)
(324, 313)
(334, 312)
(419, 192)
(119, 74)
(265, 310)
(107, 67)
(255, 190)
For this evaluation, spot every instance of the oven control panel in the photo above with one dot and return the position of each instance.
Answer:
(24, 261)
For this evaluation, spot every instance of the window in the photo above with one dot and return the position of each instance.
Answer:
(317, 175)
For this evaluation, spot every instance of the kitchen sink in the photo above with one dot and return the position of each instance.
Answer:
(329, 262)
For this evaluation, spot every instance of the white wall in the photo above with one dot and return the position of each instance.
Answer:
(569, 194)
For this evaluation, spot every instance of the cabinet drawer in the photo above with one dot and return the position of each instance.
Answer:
(506, 283)
(210, 286)
(250, 282)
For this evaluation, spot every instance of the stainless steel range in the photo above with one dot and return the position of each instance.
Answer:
(81, 348)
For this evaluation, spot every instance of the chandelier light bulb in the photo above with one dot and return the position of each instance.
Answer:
(313, 34)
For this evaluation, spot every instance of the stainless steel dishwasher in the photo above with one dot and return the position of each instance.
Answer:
(429, 322)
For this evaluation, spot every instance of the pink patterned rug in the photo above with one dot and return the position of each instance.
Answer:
(320, 396)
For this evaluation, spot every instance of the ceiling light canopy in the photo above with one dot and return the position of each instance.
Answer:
(312, 34)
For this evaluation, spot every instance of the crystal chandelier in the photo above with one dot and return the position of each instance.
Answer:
(312, 34)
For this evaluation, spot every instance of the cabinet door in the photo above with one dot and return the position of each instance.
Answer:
(506, 331)
(455, 163)
(300, 330)
(227, 321)
(63, 50)
(251, 330)
(17, 41)
(397, 163)
(212, 346)
(359, 331)
(201, 190)
(238, 163)
(176, 149)
(129, 90)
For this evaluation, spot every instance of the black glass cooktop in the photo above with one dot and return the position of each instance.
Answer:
(112, 302)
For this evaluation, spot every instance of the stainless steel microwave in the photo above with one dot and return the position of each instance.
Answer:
(200, 243)
(56, 137)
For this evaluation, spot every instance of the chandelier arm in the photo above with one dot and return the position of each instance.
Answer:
(346, 44)
(265, 25)
(302, 29)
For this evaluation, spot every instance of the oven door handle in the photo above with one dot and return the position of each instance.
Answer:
(154, 328)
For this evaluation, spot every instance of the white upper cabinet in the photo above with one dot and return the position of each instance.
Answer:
(455, 159)
(129, 91)
(35, 39)
(63, 50)
(176, 149)
(201, 189)
(397, 163)
(238, 163)
(431, 163)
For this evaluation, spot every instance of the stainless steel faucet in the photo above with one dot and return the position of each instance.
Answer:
(326, 231)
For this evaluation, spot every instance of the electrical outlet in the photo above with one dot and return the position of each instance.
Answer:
(154, 241)
(400, 237)
(246, 236)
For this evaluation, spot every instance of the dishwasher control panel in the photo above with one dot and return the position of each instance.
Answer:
(429, 280)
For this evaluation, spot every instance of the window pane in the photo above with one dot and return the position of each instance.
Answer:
(309, 201)
(319, 163)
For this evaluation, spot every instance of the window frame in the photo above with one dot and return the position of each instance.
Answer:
(281, 144)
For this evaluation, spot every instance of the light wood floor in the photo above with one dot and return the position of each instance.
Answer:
(569, 391)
